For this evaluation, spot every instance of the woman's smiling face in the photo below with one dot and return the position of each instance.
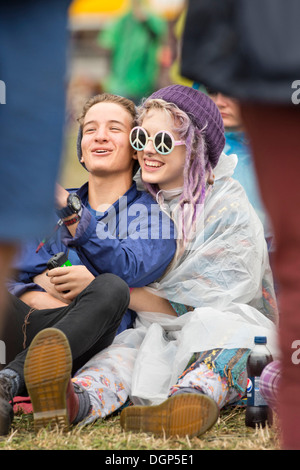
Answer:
(164, 170)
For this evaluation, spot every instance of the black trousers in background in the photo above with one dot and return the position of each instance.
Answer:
(90, 322)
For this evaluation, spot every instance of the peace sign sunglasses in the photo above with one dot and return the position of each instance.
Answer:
(163, 141)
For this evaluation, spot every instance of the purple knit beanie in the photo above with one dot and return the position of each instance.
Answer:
(202, 111)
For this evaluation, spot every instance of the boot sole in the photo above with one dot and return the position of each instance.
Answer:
(181, 415)
(47, 371)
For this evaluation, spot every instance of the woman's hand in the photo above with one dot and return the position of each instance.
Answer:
(143, 300)
(43, 280)
(69, 281)
(41, 300)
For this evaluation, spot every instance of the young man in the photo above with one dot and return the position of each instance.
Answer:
(112, 237)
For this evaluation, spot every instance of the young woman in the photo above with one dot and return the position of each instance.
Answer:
(186, 356)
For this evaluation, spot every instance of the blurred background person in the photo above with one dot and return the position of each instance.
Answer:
(237, 142)
(176, 28)
(249, 49)
(134, 40)
(33, 57)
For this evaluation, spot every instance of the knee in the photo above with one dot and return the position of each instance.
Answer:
(111, 289)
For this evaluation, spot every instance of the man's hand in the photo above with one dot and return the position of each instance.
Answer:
(61, 196)
(61, 200)
(69, 281)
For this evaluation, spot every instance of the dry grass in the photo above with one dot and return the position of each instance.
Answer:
(229, 433)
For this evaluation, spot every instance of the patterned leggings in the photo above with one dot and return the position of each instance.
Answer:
(108, 393)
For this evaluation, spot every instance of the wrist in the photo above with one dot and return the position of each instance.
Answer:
(71, 220)
(73, 206)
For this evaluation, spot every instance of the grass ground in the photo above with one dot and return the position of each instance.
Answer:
(229, 433)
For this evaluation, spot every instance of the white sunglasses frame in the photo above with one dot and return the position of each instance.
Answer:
(175, 143)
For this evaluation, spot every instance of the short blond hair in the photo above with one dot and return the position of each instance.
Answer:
(126, 103)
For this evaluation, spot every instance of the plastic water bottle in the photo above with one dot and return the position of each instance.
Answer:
(257, 412)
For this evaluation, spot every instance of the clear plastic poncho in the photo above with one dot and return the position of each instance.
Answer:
(224, 274)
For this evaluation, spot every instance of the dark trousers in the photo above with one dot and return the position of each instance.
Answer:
(90, 322)
(274, 134)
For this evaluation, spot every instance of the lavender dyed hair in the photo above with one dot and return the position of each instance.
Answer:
(197, 171)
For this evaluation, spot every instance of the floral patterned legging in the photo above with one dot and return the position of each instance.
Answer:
(108, 393)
